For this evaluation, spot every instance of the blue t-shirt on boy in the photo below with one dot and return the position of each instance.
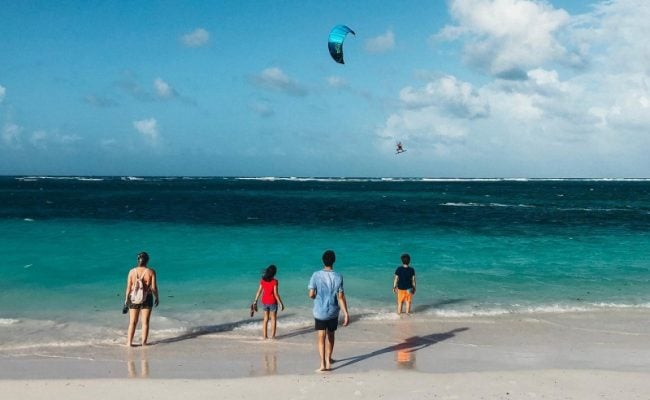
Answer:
(327, 284)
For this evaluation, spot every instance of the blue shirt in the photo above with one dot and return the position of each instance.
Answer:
(327, 284)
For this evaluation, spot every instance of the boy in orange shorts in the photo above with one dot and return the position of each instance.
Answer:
(404, 284)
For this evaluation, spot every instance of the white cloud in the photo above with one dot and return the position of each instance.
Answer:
(148, 128)
(552, 120)
(129, 82)
(39, 139)
(616, 36)
(108, 143)
(541, 95)
(507, 37)
(42, 139)
(100, 101)
(274, 78)
(11, 135)
(336, 81)
(449, 94)
(262, 108)
(433, 116)
(163, 89)
(381, 43)
(426, 124)
(197, 38)
(3, 91)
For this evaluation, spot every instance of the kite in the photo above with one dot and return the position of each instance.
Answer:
(400, 148)
(335, 42)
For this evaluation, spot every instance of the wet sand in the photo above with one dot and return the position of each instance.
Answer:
(571, 355)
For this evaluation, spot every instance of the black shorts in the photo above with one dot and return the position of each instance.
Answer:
(329, 325)
(147, 305)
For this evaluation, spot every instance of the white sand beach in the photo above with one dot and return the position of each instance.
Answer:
(591, 355)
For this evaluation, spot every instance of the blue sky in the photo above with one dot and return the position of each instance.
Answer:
(473, 88)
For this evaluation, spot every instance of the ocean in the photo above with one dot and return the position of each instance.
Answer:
(480, 247)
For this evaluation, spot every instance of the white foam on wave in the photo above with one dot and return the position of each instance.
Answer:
(58, 178)
(380, 316)
(556, 309)
(531, 309)
(622, 306)
(454, 204)
(305, 179)
(8, 321)
(62, 344)
(342, 179)
(501, 205)
(287, 324)
(595, 209)
(465, 179)
(469, 313)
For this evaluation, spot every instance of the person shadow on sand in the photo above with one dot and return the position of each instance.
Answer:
(409, 345)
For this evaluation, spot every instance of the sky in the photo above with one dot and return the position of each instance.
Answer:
(472, 88)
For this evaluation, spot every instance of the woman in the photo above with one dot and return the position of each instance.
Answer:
(147, 277)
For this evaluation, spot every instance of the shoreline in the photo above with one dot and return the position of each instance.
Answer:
(615, 341)
(569, 356)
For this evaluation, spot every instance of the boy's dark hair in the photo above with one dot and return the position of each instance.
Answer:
(406, 259)
(329, 258)
(269, 273)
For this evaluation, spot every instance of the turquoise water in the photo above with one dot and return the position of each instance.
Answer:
(478, 247)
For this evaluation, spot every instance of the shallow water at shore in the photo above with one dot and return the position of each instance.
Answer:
(598, 340)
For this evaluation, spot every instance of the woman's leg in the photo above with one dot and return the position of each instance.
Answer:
(146, 315)
(133, 322)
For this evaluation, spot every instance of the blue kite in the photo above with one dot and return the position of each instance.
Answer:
(335, 42)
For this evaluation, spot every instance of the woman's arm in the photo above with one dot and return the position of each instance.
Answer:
(276, 293)
(128, 287)
(154, 287)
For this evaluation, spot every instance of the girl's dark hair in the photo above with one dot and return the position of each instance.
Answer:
(269, 273)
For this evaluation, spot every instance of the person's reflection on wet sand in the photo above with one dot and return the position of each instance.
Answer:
(405, 358)
(144, 366)
(404, 355)
(133, 372)
(270, 363)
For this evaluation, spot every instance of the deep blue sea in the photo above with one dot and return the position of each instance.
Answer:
(479, 247)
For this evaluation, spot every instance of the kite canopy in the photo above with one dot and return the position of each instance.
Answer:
(335, 43)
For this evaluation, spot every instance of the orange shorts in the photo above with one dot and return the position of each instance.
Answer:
(404, 295)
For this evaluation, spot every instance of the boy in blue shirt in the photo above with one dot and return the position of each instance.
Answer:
(326, 289)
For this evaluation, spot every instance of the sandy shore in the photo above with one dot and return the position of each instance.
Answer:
(543, 384)
(557, 356)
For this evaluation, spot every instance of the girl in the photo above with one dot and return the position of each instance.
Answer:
(270, 299)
